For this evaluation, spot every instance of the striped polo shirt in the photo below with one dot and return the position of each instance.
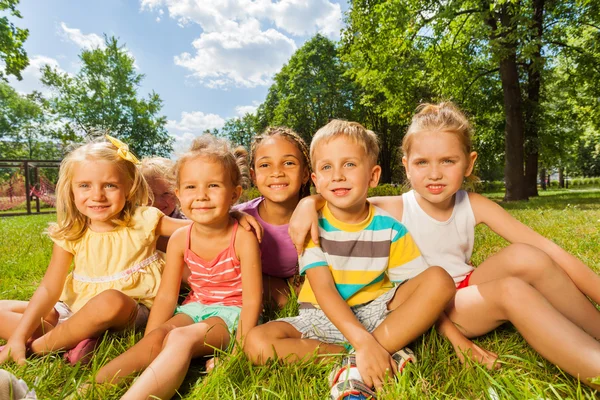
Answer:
(216, 281)
(365, 259)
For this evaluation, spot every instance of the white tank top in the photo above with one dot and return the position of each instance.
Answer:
(448, 244)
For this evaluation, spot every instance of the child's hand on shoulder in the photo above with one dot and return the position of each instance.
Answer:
(248, 222)
(304, 220)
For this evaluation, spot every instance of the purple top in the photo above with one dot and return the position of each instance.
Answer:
(278, 254)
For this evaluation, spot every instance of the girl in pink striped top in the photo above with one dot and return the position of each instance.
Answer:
(225, 276)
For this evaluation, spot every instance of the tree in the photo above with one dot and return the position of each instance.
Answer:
(310, 90)
(240, 130)
(466, 47)
(103, 96)
(12, 38)
(25, 131)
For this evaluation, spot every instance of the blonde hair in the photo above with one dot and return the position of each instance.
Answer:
(235, 161)
(292, 137)
(159, 168)
(72, 224)
(442, 117)
(354, 131)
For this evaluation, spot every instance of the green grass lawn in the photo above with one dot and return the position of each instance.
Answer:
(570, 218)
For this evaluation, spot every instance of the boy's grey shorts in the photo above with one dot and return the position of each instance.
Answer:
(312, 323)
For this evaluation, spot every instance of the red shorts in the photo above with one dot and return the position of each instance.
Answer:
(465, 282)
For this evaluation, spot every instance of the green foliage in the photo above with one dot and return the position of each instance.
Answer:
(309, 91)
(240, 130)
(103, 96)
(13, 55)
(24, 128)
(388, 189)
(568, 217)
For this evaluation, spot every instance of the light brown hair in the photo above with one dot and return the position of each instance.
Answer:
(235, 161)
(354, 131)
(442, 117)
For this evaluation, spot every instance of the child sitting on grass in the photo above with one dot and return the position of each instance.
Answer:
(105, 229)
(350, 298)
(533, 283)
(280, 170)
(225, 277)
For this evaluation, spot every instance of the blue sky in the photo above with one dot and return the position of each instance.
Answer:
(209, 60)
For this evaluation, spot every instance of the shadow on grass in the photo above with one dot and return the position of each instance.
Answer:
(583, 199)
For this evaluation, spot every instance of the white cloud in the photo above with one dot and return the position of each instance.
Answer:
(195, 122)
(245, 42)
(243, 56)
(192, 124)
(90, 41)
(32, 74)
(85, 41)
(240, 111)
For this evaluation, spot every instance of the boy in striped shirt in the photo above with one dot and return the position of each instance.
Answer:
(368, 288)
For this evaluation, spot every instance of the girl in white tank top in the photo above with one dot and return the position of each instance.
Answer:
(533, 283)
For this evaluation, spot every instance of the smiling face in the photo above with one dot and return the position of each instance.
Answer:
(100, 192)
(278, 171)
(206, 192)
(343, 175)
(436, 167)
(164, 199)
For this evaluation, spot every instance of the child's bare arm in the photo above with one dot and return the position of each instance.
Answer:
(166, 298)
(167, 226)
(373, 361)
(304, 221)
(248, 253)
(505, 225)
(42, 301)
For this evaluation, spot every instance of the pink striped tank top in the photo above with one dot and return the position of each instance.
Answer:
(218, 281)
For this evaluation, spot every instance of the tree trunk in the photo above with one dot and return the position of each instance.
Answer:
(506, 51)
(543, 178)
(532, 108)
(514, 178)
(561, 178)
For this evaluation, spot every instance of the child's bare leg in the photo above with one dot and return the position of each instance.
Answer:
(110, 309)
(163, 377)
(417, 304)
(142, 354)
(535, 267)
(282, 340)
(478, 309)
(275, 290)
(11, 312)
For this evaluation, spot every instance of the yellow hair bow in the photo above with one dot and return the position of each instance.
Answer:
(123, 150)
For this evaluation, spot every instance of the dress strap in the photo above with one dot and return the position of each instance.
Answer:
(235, 227)
(189, 236)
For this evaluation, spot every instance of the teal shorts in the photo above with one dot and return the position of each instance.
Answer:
(199, 312)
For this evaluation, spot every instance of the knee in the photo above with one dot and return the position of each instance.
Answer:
(441, 280)
(257, 345)
(109, 305)
(179, 337)
(529, 263)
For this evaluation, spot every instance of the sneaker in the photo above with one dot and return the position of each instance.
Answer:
(347, 384)
(13, 388)
(403, 357)
(82, 353)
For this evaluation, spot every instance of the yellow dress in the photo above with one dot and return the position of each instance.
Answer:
(124, 259)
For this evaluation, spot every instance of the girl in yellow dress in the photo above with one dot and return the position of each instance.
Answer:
(103, 228)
